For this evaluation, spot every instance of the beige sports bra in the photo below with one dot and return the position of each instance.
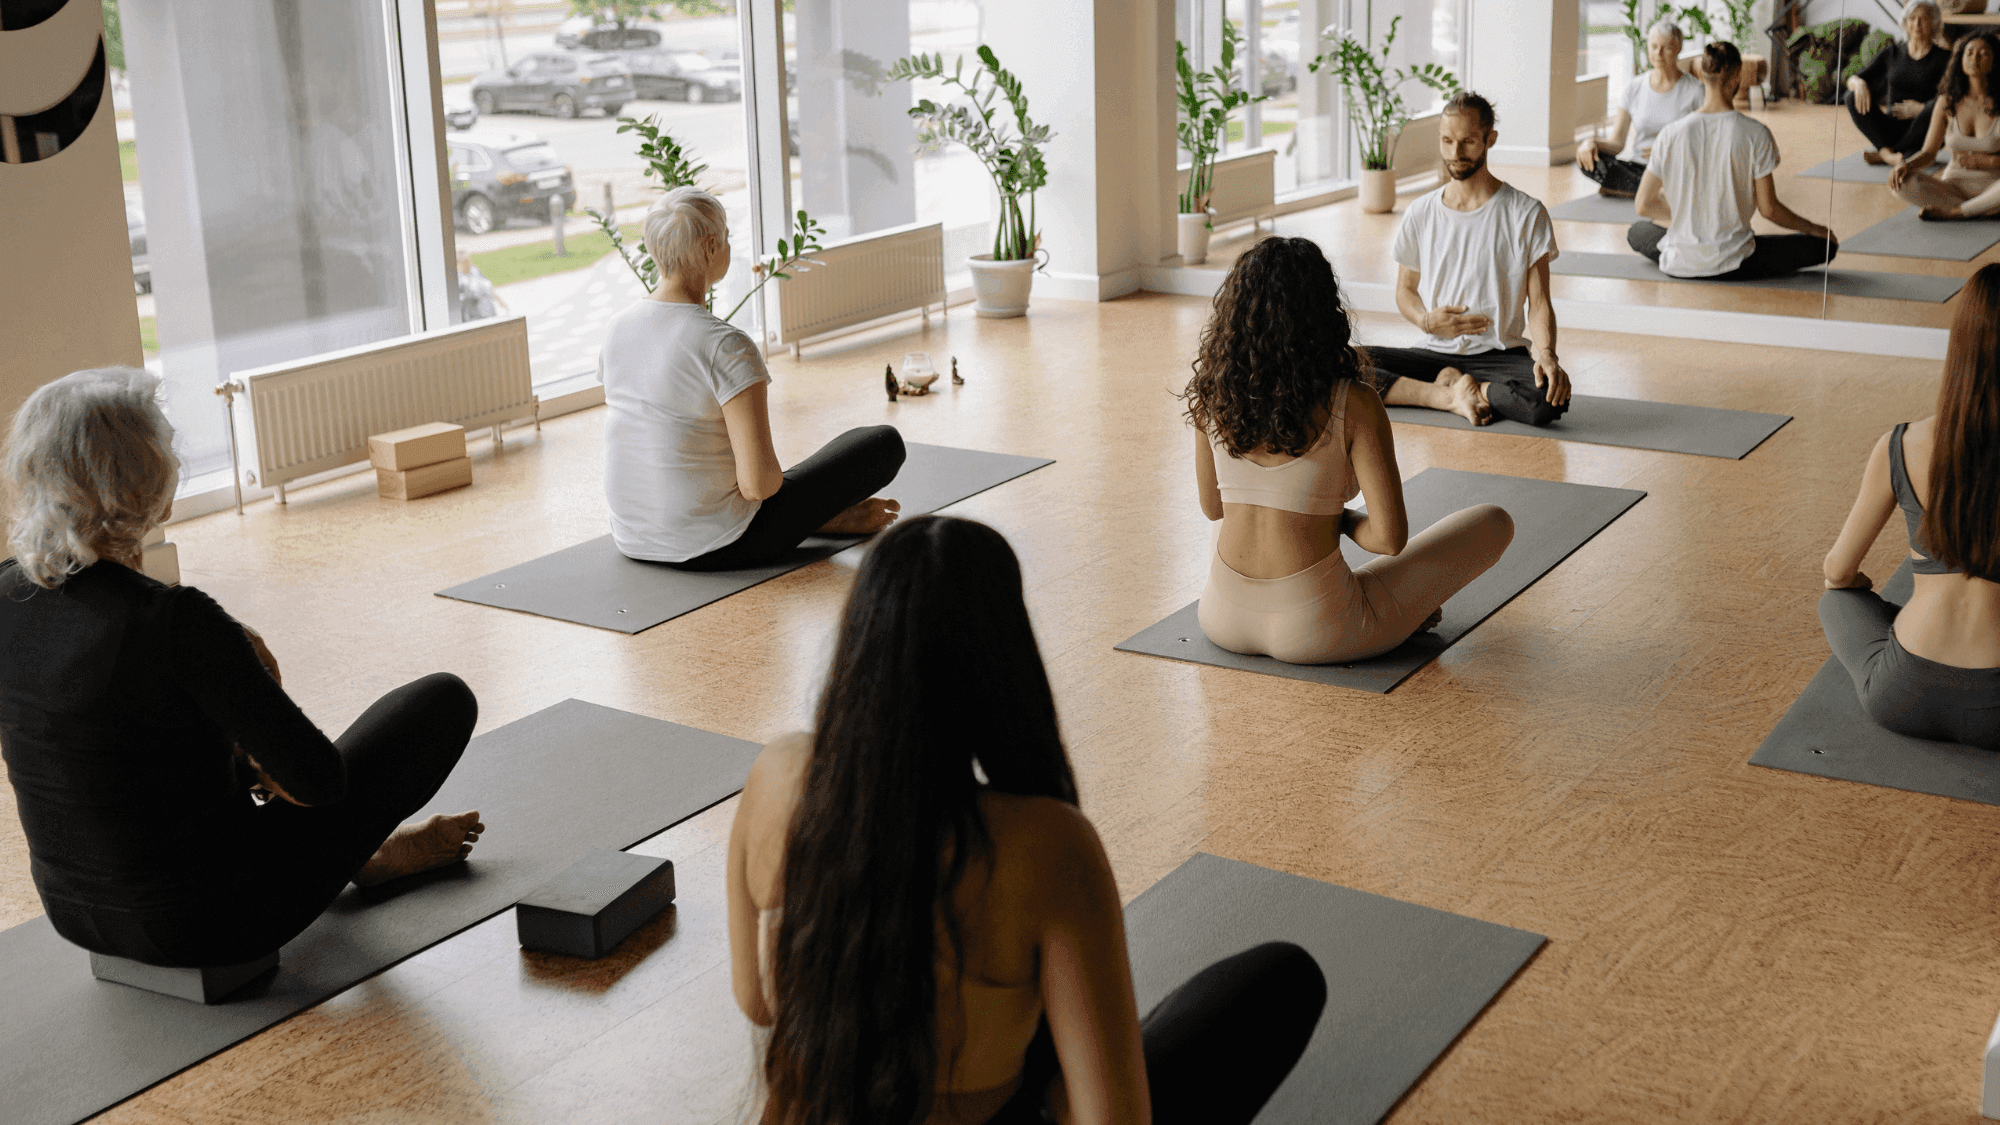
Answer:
(1988, 141)
(1320, 483)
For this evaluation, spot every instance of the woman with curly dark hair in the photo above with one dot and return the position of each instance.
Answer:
(1287, 431)
(1967, 121)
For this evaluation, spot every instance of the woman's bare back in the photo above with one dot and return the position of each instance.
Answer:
(1951, 619)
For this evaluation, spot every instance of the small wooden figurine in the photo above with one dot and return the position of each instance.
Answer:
(889, 379)
(955, 380)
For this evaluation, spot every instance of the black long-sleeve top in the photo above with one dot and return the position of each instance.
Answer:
(1894, 76)
(120, 699)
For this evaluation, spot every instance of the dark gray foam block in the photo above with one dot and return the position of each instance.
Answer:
(1827, 734)
(592, 584)
(1701, 430)
(1596, 209)
(1904, 235)
(595, 903)
(1851, 169)
(1836, 282)
(1402, 981)
(1551, 519)
(549, 787)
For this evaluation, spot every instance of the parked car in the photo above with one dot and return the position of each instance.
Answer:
(459, 112)
(580, 34)
(558, 82)
(135, 232)
(495, 174)
(683, 76)
(1280, 72)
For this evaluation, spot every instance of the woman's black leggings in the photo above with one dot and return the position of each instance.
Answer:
(1774, 255)
(1884, 131)
(1217, 1047)
(847, 470)
(1900, 690)
(1615, 176)
(295, 861)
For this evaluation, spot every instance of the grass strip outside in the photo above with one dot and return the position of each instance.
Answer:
(128, 160)
(149, 336)
(1271, 129)
(537, 259)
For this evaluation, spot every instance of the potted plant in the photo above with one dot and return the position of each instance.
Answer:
(1207, 99)
(1012, 154)
(1376, 111)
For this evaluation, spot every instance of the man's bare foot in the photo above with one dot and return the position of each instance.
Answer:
(1468, 401)
(1433, 621)
(419, 847)
(865, 518)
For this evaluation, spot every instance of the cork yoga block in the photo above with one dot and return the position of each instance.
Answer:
(412, 484)
(417, 446)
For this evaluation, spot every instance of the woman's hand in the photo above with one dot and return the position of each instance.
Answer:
(1906, 110)
(1901, 173)
(1864, 98)
(1586, 155)
(1860, 581)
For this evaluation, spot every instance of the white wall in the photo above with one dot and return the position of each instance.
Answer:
(1524, 61)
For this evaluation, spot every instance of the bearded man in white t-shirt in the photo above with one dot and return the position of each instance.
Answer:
(1472, 271)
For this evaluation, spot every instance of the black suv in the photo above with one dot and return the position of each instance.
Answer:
(557, 82)
(495, 174)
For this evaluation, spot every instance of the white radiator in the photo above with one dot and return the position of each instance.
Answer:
(860, 279)
(1593, 100)
(1244, 187)
(315, 414)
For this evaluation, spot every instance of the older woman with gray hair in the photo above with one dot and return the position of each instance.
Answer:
(1649, 103)
(1890, 99)
(180, 809)
(690, 474)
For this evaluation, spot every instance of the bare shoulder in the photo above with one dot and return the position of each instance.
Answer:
(778, 774)
(1039, 829)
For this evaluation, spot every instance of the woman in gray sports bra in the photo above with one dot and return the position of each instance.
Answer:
(1931, 668)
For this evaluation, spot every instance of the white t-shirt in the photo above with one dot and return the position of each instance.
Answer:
(1709, 164)
(1652, 111)
(669, 473)
(1479, 259)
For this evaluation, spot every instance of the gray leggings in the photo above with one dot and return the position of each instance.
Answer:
(1902, 691)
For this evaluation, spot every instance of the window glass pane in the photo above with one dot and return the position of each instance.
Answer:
(1601, 45)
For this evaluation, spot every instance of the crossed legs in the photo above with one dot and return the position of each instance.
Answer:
(1475, 387)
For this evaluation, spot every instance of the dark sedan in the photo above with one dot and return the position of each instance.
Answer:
(495, 174)
(683, 76)
(561, 83)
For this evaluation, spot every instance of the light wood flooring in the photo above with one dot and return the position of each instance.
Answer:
(1727, 943)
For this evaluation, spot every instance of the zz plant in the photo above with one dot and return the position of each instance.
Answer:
(1207, 99)
(1376, 109)
(1003, 138)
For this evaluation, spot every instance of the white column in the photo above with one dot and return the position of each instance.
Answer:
(855, 134)
(1523, 59)
(1319, 129)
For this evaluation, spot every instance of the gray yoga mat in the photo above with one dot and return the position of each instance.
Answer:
(1904, 235)
(1596, 209)
(1851, 169)
(1705, 431)
(1826, 734)
(1836, 282)
(1403, 981)
(1551, 520)
(592, 584)
(549, 787)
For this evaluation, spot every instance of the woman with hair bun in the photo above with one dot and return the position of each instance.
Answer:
(690, 474)
(137, 719)
(1287, 430)
(1931, 669)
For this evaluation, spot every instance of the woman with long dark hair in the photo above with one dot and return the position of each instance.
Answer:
(1287, 431)
(1932, 668)
(926, 922)
(1967, 121)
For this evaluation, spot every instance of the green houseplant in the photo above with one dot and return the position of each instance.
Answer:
(1376, 108)
(1206, 100)
(1009, 144)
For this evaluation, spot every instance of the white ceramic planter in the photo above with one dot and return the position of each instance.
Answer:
(1193, 236)
(1378, 191)
(1001, 288)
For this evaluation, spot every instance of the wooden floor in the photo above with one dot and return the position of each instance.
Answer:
(1727, 943)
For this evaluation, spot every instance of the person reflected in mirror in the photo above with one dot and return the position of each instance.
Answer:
(1287, 431)
(1892, 98)
(1931, 669)
(137, 719)
(1472, 271)
(1965, 121)
(1711, 170)
(1650, 102)
(690, 473)
(926, 921)
(477, 299)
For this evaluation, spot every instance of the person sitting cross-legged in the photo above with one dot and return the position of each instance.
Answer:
(1650, 102)
(1472, 271)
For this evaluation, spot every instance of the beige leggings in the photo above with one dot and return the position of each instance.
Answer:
(1978, 193)
(1328, 613)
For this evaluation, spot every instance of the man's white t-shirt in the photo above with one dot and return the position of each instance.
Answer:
(669, 473)
(1479, 259)
(1652, 111)
(1709, 164)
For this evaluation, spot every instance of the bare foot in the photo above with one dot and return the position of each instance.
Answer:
(419, 847)
(1433, 621)
(1468, 401)
(1879, 156)
(865, 518)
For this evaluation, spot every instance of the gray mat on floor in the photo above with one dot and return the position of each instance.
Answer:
(1836, 282)
(1826, 734)
(592, 584)
(549, 787)
(1551, 520)
(1403, 981)
(1596, 209)
(1904, 235)
(1851, 169)
(1701, 430)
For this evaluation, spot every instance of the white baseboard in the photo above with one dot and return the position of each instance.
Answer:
(1086, 286)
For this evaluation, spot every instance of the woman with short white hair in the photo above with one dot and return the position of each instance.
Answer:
(141, 724)
(1890, 100)
(690, 474)
(1649, 103)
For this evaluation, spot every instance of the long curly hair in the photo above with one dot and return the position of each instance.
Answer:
(1956, 85)
(936, 680)
(1278, 345)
